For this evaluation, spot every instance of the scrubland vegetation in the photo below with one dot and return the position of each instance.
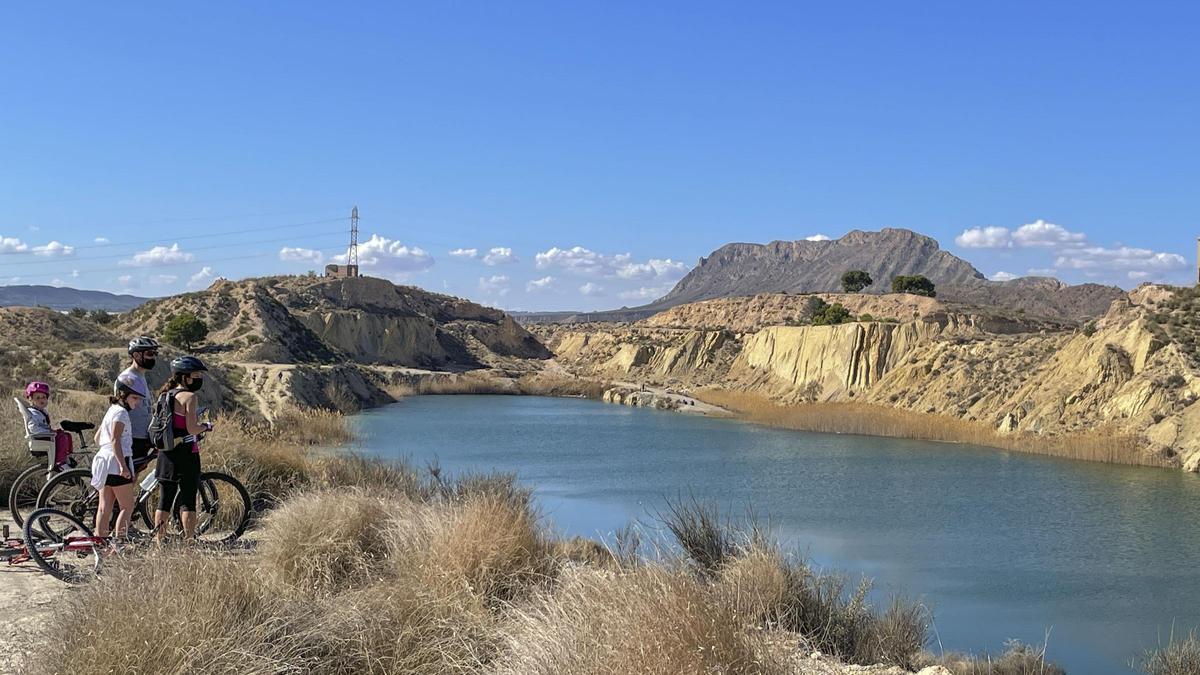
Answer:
(364, 566)
(878, 420)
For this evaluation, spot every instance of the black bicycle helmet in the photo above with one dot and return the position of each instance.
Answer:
(142, 344)
(187, 364)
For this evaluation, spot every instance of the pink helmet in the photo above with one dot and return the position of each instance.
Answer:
(37, 388)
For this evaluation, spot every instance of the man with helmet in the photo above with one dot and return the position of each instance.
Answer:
(144, 352)
(178, 468)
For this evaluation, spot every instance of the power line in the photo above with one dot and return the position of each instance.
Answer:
(170, 264)
(143, 242)
(194, 248)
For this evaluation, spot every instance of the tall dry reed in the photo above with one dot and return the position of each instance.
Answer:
(878, 420)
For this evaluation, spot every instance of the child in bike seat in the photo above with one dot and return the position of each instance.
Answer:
(38, 426)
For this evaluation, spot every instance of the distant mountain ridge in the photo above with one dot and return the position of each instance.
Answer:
(815, 266)
(63, 298)
(745, 269)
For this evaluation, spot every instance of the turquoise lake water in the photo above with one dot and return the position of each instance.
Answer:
(1001, 545)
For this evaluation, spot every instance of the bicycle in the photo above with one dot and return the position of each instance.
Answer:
(73, 557)
(222, 503)
(22, 495)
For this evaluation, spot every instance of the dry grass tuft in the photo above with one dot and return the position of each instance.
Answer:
(490, 545)
(1181, 656)
(878, 420)
(647, 619)
(1019, 659)
(389, 628)
(328, 541)
(698, 529)
(175, 613)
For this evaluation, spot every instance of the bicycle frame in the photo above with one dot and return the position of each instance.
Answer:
(15, 552)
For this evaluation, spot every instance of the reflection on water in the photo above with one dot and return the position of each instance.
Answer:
(1001, 545)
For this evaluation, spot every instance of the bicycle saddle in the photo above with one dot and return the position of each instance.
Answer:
(76, 426)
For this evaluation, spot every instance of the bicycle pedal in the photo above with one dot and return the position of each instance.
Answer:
(5, 532)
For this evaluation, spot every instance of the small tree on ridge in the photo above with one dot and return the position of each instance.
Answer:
(856, 280)
(916, 284)
(185, 329)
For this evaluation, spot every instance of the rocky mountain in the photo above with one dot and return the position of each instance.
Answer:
(62, 298)
(817, 266)
(741, 269)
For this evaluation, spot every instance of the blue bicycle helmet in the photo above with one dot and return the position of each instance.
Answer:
(187, 364)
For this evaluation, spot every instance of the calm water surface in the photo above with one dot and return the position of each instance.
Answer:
(1000, 545)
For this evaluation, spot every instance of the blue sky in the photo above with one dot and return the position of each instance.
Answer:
(589, 153)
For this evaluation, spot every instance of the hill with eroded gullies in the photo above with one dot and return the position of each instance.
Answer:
(342, 343)
(1129, 376)
(1123, 375)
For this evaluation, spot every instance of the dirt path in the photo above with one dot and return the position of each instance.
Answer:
(27, 598)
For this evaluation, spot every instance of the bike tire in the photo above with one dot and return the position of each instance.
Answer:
(22, 496)
(223, 508)
(70, 492)
(73, 567)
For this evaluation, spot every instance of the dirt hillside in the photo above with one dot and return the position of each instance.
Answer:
(1131, 373)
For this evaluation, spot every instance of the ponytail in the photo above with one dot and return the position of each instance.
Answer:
(173, 382)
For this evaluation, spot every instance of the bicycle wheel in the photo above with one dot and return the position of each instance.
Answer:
(22, 496)
(223, 508)
(73, 558)
(70, 492)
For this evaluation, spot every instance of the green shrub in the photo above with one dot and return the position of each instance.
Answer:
(915, 284)
(856, 280)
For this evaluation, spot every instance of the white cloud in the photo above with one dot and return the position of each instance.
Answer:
(100, 240)
(159, 255)
(586, 262)
(57, 283)
(1041, 234)
(54, 249)
(577, 260)
(1135, 275)
(308, 255)
(389, 257)
(591, 289)
(1120, 258)
(12, 245)
(127, 281)
(164, 279)
(1038, 234)
(34, 228)
(74, 274)
(12, 280)
(654, 268)
(499, 255)
(202, 278)
(1041, 272)
(465, 253)
(497, 284)
(985, 237)
(543, 284)
(1003, 276)
(817, 237)
(645, 293)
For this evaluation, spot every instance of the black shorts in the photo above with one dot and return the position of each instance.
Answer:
(141, 448)
(178, 464)
(115, 480)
